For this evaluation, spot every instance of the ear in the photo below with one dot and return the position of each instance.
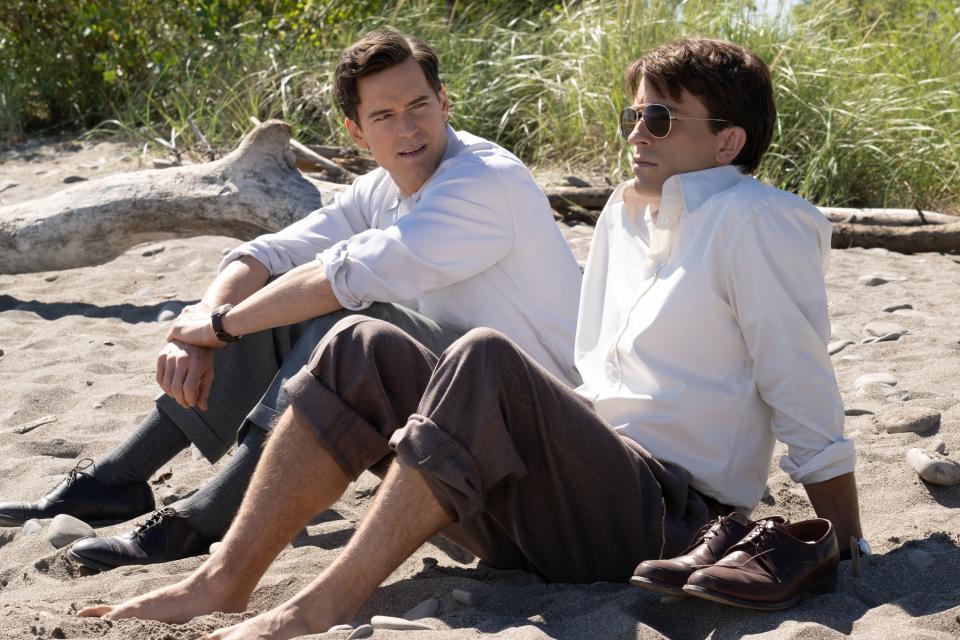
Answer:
(729, 143)
(444, 103)
(356, 133)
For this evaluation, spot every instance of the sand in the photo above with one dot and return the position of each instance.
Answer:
(78, 346)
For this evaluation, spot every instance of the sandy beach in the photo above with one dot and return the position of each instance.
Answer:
(77, 351)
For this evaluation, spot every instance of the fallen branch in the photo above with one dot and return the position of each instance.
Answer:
(253, 190)
(931, 237)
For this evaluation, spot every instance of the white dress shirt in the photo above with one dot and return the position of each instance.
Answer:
(703, 330)
(476, 246)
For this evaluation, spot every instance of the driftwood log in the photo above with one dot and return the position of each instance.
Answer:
(254, 189)
(257, 189)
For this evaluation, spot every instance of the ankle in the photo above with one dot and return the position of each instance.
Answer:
(219, 580)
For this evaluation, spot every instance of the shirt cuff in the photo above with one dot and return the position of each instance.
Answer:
(239, 252)
(837, 459)
(335, 269)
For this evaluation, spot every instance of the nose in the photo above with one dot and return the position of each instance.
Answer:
(639, 135)
(407, 123)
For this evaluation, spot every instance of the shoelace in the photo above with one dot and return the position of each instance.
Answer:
(706, 533)
(73, 473)
(154, 520)
(762, 533)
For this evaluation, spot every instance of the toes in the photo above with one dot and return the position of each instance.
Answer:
(95, 612)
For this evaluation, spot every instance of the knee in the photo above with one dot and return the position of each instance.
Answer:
(481, 344)
(360, 336)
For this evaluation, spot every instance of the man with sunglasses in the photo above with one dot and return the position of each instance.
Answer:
(701, 337)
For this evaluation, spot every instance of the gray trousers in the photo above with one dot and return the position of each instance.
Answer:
(249, 375)
(533, 478)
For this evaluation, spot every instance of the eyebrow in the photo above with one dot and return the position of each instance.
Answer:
(381, 112)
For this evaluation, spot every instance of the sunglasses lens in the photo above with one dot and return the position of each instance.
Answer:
(656, 118)
(628, 121)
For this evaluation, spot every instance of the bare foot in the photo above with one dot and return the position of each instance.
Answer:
(277, 624)
(177, 603)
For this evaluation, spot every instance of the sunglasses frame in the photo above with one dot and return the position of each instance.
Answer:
(638, 113)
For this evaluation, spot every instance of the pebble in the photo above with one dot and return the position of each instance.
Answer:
(51, 278)
(909, 419)
(169, 311)
(857, 412)
(837, 346)
(398, 624)
(887, 337)
(7, 184)
(876, 279)
(574, 181)
(340, 627)
(919, 559)
(934, 467)
(169, 499)
(1, 353)
(363, 631)
(426, 609)
(31, 527)
(66, 529)
(874, 378)
(98, 404)
(882, 328)
(463, 597)
(938, 446)
(890, 308)
(215, 546)
(108, 343)
(72, 179)
(153, 250)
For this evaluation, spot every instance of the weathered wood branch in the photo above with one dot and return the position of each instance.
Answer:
(254, 189)
(931, 237)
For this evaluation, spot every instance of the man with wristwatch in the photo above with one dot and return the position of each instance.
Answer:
(450, 233)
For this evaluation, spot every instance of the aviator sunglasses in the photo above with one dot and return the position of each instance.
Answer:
(656, 118)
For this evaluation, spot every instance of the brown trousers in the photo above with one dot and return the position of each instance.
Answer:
(533, 478)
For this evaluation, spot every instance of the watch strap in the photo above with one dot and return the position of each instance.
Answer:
(216, 320)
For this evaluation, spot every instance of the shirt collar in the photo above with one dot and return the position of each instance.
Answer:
(682, 193)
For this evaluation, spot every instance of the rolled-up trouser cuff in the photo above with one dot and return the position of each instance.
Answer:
(354, 443)
(445, 464)
(208, 441)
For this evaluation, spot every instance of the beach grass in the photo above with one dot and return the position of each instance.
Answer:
(868, 92)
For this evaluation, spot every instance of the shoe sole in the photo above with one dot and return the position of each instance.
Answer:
(824, 585)
(659, 587)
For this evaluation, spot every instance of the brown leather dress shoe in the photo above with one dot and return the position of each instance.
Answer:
(772, 567)
(708, 545)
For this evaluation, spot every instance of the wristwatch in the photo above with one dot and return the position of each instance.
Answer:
(216, 319)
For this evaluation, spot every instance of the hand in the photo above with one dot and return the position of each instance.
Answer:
(185, 373)
(193, 327)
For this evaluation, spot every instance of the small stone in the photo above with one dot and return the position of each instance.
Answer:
(72, 179)
(463, 597)
(837, 346)
(398, 624)
(883, 328)
(937, 446)
(169, 311)
(919, 559)
(153, 250)
(876, 279)
(52, 278)
(934, 467)
(340, 627)
(890, 308)
(874, 378)
(31, 527)
(1, 353)
(66, 529)
(169, 499)
(108, 343)
(98, 404)
(363, 631)
(887, 337)
(574, 181)
(89, 383)
(909, 419)
(426, 609)
(7, 184)
(215, 546)
(857, 412)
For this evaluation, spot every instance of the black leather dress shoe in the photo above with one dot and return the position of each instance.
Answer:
(164, 537)
(83, 496)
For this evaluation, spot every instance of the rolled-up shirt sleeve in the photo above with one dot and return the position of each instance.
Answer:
(775, 281)
(300, 242)
(461, 226)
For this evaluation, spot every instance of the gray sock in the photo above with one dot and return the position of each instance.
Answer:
(212, 508)
(155, 442)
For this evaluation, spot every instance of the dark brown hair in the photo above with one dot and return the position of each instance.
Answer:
(732, 82)
(375, 52)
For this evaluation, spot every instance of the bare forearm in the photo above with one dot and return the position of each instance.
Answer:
(836, 500)
(300, 294)
(236, 282)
